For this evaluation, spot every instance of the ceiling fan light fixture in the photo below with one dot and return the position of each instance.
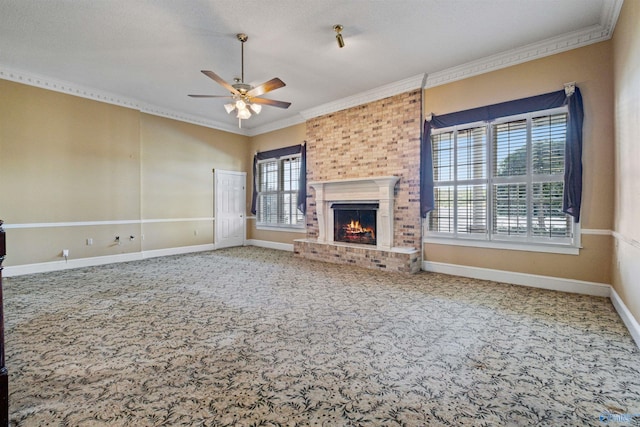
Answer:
(229, 108)
(240, 104)
(338, 28)
(256, 108)
(243, 114)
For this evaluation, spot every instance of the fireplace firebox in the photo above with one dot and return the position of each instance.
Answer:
(355, 222)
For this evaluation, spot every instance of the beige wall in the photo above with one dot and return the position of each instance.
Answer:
(286, 137)
(177, 179)
(66, 159)
(590, 67)
(626, 60)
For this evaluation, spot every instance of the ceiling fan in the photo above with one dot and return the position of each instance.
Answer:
(245, 97)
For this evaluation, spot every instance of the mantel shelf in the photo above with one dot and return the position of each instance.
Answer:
(373, 180)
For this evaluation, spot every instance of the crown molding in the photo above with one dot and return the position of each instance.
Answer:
(520, 55)
(175, 115)
(375, 94)
(548, 47)
(280, 124)
(69, 88)
(610, 14)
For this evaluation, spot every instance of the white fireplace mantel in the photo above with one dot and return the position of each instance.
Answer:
(374, 189)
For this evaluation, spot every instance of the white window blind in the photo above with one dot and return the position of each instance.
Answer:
(277, 197)
(460, 170)
(507, 190)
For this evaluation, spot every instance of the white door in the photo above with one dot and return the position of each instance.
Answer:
(230, 205)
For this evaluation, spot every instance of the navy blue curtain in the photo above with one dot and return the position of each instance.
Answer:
(427, 199)
(302, 180)
(254, 196)
(274, 154)
(503, 109)
(572, 197)
(573, 151)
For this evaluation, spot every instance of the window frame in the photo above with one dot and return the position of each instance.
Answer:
(280, 193)
(489, 239)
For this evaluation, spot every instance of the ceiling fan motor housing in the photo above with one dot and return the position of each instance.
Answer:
(241, 87)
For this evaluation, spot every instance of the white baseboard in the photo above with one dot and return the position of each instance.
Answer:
(630, 322)
(46, 267)
(270, 245)
(533, 280)
(178, 251)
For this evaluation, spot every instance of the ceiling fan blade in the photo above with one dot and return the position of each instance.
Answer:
(272, 84)
(210, 96)
(271, 102)
(220, 81)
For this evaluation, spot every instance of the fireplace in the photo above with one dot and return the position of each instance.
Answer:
(355, 222)
(376, 191)
(355, 225)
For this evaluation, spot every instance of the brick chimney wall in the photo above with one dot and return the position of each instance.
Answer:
(381, 138)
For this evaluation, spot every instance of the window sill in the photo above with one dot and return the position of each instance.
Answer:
(300, 230)
(514, 246)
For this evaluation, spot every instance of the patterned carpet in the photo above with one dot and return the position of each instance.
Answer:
(256, 337)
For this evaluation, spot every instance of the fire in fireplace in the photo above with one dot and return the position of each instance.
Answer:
(354, 222)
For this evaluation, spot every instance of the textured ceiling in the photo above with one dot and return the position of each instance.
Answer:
(149, 53)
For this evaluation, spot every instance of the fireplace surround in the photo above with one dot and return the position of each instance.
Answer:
(358, 194)
(378, 190)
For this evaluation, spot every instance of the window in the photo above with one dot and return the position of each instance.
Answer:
(277, 197)
(502, 181)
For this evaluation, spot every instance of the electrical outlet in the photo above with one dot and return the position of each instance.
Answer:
(89, 241)
(65, 253)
